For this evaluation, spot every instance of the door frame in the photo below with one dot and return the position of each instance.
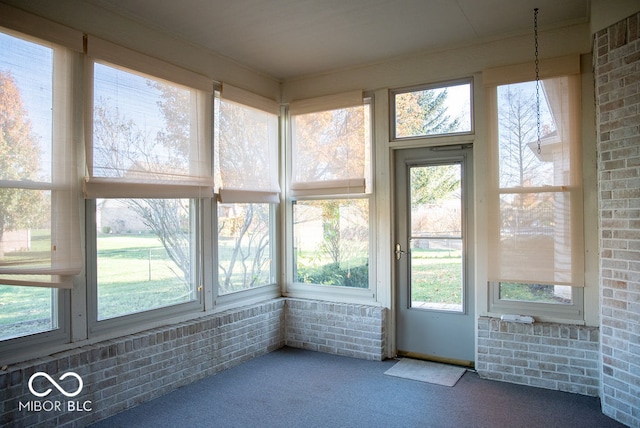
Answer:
(470, 301)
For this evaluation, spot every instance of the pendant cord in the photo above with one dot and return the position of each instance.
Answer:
(535, 30)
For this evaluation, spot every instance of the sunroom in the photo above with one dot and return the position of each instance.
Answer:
(204, 206)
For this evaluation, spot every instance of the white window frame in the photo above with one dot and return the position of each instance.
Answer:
(319, 291)
(116, 56)
(34, 29)
(572, 313)
(431, 86)
(96, 326)
(540, 311)
(267, 196)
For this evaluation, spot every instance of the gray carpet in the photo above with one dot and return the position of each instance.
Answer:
(297, 388)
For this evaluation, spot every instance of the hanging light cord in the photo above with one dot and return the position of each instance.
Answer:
(535, 31)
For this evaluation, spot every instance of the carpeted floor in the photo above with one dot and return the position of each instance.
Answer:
(297, 388)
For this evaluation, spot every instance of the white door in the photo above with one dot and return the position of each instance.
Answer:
(435, 293)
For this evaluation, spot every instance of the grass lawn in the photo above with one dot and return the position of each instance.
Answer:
(436, 276)
(136, 274)
(24, 310)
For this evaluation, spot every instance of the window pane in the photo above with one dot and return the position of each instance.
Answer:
(535, 237)
(437, 265)
(246, 149)
(27, 310)
(244, 247)
(145, 255)
(436, 111)
(25, 240)
(537, 293)
(331, 239)
(520, 164)
(536, 214)
(436, 200)
(437, 280)
(330, 145)
(26, 99)
(143, 127)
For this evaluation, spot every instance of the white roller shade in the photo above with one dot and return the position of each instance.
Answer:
(327, 102)
(551, 67)
(109, 52)
(147, 136)
(249, 99)
(330, 143)
(246, 148)
(535, 197)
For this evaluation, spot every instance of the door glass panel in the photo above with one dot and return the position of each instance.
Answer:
(436, 238)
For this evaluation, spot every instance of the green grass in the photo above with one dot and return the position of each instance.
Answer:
(40, 248)
(530, 293)
(24, 310)
(436, 276)
(135, 274)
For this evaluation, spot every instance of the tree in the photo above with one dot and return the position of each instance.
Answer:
(244, 161)
(432, 184)
(247, 264)
(517, 116)
(19, 161)
(520, 164)
(127, 149)
(423, 113)
(330, 145)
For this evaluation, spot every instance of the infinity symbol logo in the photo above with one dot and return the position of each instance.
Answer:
(54, 383)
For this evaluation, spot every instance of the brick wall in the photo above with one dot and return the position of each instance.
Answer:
(617, 76)
(124, 372)
(336, 328)
(553, 356)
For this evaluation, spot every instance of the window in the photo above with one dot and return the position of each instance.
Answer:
(536, 199)
(148, 158)
(330, 176)
(432, 110)
(146, 255)
(331, 242)
(39, 227)
(246, 177)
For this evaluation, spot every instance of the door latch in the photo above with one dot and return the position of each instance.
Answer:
(399, 252)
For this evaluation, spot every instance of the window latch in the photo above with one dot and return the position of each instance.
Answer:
(399, 252)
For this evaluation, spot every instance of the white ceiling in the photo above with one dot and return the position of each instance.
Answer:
(291, 38)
